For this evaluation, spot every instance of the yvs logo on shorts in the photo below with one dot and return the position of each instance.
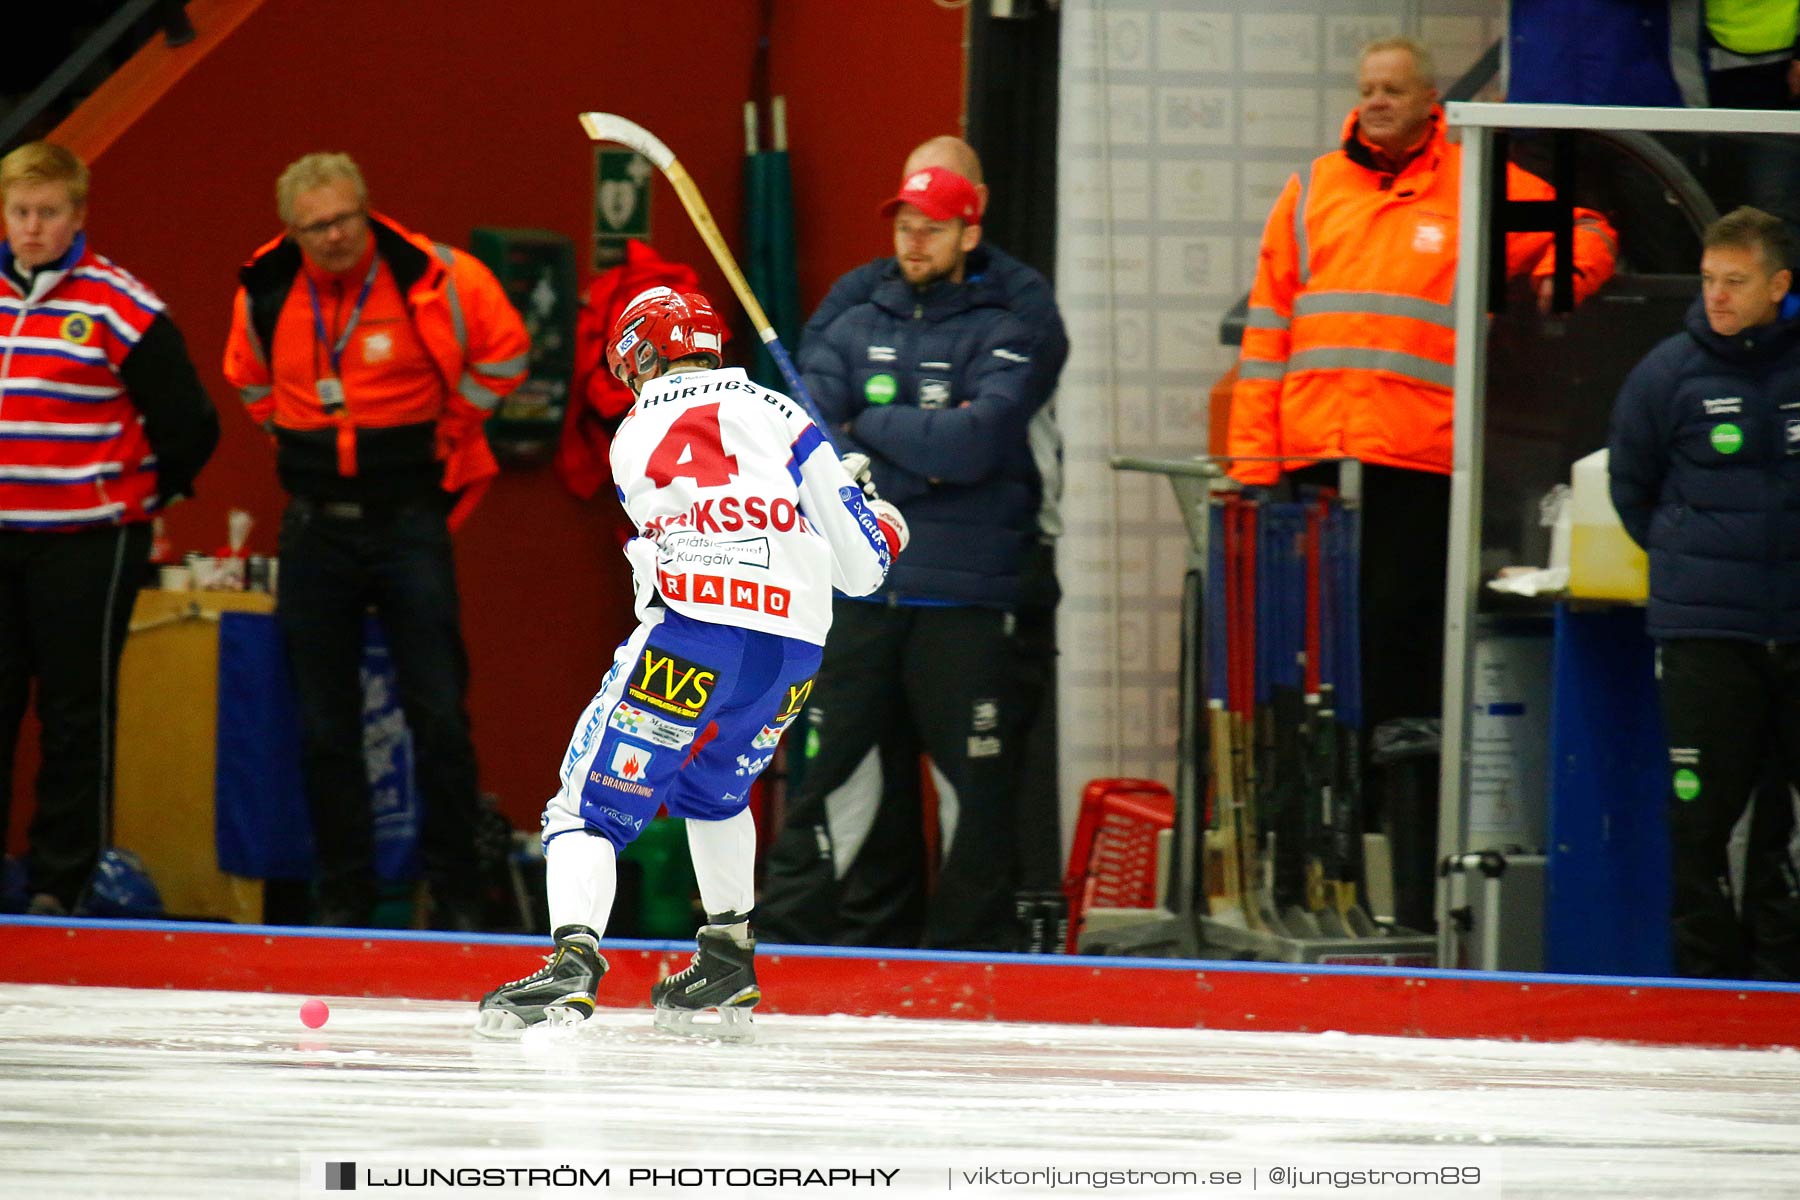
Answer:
(671, 684)
(797, 696)
(770, 735)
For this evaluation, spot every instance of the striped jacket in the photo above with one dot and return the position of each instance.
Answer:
(78, 443)
(1350, 341)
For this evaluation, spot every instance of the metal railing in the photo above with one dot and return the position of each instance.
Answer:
(171, 18)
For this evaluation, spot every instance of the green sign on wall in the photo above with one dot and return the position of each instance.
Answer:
(621, 202)
(537, 269)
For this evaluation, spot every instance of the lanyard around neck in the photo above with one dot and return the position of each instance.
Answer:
(336, 350)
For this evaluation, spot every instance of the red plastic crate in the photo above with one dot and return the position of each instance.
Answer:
(1112, 860)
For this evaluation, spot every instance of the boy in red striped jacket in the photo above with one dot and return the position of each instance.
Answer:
(103, 422)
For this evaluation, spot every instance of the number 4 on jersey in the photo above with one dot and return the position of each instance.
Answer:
(693, 449)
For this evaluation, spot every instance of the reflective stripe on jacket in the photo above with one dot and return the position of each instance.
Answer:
(1350, 341)
(462, 317)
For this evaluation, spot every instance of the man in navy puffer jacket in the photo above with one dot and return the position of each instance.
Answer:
(931, 379)
(1705, 463)
(1029, 298)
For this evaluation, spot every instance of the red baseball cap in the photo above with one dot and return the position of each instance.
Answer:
(940, 194)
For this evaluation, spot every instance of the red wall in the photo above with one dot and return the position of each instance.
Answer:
(464, 115)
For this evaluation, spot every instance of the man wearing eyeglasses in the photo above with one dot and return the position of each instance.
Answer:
(373, 355)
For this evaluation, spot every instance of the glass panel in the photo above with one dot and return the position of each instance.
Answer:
(1551, 380)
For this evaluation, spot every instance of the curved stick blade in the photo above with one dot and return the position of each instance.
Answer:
(610, 127)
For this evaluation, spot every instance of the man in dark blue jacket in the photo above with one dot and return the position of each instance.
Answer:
(1705, 463)
(932, 379)
(1030, 299)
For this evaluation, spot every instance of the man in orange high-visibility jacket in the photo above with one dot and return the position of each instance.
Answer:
(1349, 345)
(1350, 342)
(373, 355)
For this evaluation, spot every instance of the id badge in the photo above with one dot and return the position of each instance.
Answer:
(331, 394)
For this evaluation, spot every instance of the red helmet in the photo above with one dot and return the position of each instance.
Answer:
(659, 326)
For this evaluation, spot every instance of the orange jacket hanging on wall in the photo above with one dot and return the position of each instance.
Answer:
(436, 347)
(597, 401)
(1350, 341)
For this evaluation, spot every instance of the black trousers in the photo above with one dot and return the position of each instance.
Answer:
(65, 609)
(895, 680)
(1731, 710)
(1037, 809)
(335, 566)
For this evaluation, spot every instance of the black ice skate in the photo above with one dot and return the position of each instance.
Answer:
(561, 992)
(714, 996)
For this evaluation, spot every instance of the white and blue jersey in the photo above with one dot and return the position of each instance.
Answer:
(745, 516)
(746, 521)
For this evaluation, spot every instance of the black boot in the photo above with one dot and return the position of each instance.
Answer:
(721, 979)
(561, 992)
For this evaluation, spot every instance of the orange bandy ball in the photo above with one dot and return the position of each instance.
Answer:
(313, 1013)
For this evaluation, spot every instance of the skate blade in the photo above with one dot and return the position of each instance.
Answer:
(714, 1024)
(507, 1024)
(500, 1023)
(567, 1013)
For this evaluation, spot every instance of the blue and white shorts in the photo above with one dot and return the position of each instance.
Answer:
(687, 718)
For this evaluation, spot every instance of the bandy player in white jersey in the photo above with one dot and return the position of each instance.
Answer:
(746, 521)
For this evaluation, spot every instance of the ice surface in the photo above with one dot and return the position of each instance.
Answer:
(120, 1092)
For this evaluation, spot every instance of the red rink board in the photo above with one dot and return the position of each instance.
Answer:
(1151, 993)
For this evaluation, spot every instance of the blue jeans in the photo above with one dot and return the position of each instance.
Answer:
(338, 561)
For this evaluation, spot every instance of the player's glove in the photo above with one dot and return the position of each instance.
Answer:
(893, 526)
(856, 466)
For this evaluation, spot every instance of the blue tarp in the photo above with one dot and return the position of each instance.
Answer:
(262, 825)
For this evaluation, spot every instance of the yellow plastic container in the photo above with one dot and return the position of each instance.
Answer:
(1604, 563)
